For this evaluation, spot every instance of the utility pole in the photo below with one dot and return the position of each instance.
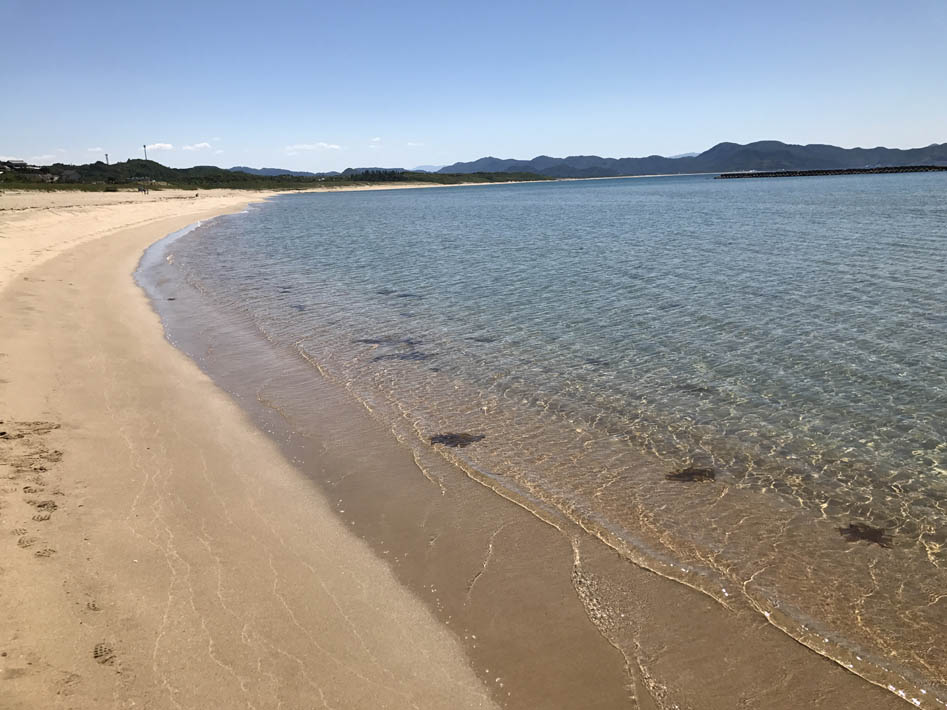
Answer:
(106, 158)
(146, 151)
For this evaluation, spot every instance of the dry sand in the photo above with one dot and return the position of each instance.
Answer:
(156, 550)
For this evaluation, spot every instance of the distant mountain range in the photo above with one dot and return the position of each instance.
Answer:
(723, 157)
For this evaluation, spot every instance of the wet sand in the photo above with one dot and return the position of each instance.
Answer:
(157, 549)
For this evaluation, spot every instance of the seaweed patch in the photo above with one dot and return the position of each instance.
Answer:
(457, 440)
(414, 355)
(692, 474)
(862, 531)
(412, 342)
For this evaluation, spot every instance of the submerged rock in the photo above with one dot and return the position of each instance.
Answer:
(693, 474)
(862, 531)
(455, 440)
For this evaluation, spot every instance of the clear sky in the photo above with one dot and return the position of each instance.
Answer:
(325, 85)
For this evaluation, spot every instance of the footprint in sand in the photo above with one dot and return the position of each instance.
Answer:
(18, 430)
(103, 654)
(26, 541)
(38, 428)
(45, 552)
(46, 505)
(19, 531)
(41, 517)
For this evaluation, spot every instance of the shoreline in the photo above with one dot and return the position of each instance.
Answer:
(43, 197)
(46, 363)
(269, 394)
(146, 558)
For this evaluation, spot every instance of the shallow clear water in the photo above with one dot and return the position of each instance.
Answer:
(789, 335)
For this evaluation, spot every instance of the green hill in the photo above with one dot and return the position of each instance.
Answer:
(136, 172)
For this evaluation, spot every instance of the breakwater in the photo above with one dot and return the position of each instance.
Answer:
(847, 171)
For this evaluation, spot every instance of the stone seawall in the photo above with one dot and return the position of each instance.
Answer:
(847, 171)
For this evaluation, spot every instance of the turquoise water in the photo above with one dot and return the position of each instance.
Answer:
(789, 336)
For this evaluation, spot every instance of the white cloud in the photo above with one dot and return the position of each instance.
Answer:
(414, 145)
(95, 150)
(376, 140)
(218, 152)
(321, 145)
(41, 158)
(197, 146)
(216, 139)
(159, 146)
(8, 157)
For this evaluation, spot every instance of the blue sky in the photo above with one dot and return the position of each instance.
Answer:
(327, 85)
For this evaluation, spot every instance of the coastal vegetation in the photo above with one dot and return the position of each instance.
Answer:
(134, 173)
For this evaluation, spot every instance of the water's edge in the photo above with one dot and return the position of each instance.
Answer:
(428, 460)
(339, 449)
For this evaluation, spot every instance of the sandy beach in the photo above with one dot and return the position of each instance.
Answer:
(159, 550)
(156, 551)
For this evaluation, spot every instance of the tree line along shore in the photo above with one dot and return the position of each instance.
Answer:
(148, 174)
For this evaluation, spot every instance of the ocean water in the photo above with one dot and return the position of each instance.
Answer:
(740, 385)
